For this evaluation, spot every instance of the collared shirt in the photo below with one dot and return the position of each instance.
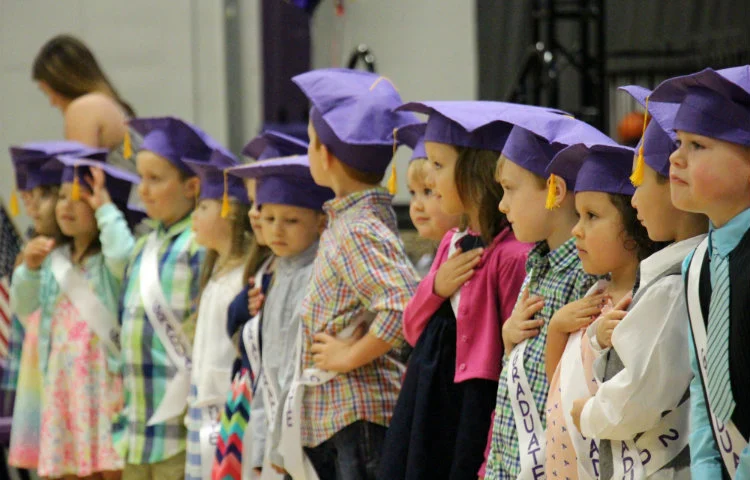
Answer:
(705, 460)
(147, 366)
(558, 277)
(361, 266)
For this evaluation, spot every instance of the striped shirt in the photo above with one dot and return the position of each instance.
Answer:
(361, 266)
(13, 364)
(558, 277)
(146, 364)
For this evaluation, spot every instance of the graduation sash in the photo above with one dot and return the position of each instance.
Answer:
(531, 439)
(169, 330)
(729, 440)
(74, 285)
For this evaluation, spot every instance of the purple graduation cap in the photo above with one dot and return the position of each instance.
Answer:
(216, 184)
(712, 103)
(174, 139)
(29, 158)
(272, 144)
(354, 115)
(598, 168)
(285, 181)
(658, 140)
(413, 137)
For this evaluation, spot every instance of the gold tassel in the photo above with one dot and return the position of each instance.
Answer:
(640, 163)
(225, 198)
(127, 147)
(551, 202)
(15, 208)
(393, 180)
(75, 192)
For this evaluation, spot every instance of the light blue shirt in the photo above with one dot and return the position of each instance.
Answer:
(705, 459)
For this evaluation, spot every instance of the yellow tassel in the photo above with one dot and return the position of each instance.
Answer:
(225, 198)
(551, 202)
(15, 208)
(393, 180)
(127, 147)
(75, 192)
(640, 163)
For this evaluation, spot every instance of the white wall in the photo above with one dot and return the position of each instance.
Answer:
(164, 56)
(426, 47)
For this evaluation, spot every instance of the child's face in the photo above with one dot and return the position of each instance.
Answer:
(290, 230)
(710, 176)
(29, 204)
(523, 202)
(430, 221)
(75, 217)
(316, 153)
(44, 212)
(655, 210)
(211, 231)
(167, 196)
(442, 177)
(599, 234)
(254, 212)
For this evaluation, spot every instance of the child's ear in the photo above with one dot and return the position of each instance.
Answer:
(322, 222)
(561, 191)
(191, 187)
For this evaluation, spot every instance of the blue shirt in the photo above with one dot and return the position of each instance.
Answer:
(705, 459)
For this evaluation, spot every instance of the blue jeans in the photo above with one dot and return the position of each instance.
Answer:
(351, 454)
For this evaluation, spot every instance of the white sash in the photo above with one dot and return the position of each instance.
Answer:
(169, 330)
(209, 437)
(531, 439)
(74, 285)
(573, 382)
(729, 439)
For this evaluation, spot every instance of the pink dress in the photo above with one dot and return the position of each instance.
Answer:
(81, 397)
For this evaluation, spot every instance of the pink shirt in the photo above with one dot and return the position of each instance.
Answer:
(487, 299)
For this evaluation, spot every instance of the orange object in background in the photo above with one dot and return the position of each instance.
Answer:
(630, 128)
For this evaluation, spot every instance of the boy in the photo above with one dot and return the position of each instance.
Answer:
(554, 278)
(710, 174)
(346, 403)
(160, 288)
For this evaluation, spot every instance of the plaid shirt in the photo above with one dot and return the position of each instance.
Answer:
(12, 367)
(146, 364)
(558, 277)
(361, 265)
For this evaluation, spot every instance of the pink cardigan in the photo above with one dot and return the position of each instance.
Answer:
(487, 299)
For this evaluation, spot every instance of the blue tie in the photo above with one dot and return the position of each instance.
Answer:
(719, 386)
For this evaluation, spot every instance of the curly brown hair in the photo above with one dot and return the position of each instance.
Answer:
(636, 235)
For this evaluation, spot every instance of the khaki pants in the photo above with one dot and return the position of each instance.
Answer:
(172, 468)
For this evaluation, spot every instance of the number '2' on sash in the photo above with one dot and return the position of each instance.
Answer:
(729, 439)
(169, 330)
(531, 439)
(78, 290)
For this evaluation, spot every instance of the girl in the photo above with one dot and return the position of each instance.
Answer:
(220, 223)
(610, 241)
(76, 285)
(431, 223)
(455, 317)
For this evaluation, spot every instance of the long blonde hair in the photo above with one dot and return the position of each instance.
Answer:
(69, 68)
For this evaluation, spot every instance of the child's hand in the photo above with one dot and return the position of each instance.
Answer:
(452, 274)
(255, 299)
(610, 320)
(36, 251)
(331, 353)
(521, 324)
(579, 314)
(577, 410)
(99, 195)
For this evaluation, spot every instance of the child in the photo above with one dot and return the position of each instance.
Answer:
(76, 286)
(610, 241)
(554, 277)
(42, 186)
(651, 335)
(709, 174)
(221, 226)
(160, 290)
(361, 267)
(431, 223)
(455, 317)
(292, 218)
